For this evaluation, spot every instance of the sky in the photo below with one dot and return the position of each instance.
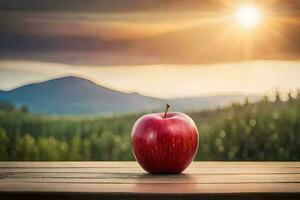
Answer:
(158, 48)
(166, 81)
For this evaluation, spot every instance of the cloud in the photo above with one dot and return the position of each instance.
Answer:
(150, 34)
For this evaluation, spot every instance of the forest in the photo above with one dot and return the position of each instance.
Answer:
(265, 130)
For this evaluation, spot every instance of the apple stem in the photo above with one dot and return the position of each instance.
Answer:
(167, 108)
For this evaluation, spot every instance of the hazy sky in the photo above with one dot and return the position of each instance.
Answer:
(256, 77)
(149, 32)
(158, 48)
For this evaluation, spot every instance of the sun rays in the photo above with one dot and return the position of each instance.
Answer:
(248, 26)
(248, 16)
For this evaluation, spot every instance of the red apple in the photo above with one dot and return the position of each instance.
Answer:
(164, 142)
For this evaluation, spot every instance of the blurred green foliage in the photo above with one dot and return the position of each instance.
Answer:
(261, 131)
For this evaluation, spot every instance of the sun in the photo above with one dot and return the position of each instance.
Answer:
(248, 16)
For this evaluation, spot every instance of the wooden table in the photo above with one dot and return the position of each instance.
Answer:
(126, 180)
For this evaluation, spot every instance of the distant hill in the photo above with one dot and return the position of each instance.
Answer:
(73, 95)
(210, 102)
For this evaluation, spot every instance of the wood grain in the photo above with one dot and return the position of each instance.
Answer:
(126, 180)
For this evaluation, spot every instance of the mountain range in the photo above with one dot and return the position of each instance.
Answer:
(77, 96)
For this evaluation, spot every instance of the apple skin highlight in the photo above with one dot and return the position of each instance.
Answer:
(164, 143)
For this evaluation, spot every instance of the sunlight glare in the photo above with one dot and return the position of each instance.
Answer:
(248, 16)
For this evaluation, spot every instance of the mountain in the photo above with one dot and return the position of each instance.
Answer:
(210, 102)
(78, 96)
(73, 95)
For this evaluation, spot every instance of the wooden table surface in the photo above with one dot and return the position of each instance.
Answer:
(126, 180)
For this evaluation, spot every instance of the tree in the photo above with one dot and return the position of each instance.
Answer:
(247, 101)
(265, 99)
(277, 97)
(74, 150)
(7, 106)
(24, 109)
(290, 97)
(298, 94)
(26, 148)
(4, 142)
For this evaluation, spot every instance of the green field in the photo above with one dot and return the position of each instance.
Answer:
(261, 131)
